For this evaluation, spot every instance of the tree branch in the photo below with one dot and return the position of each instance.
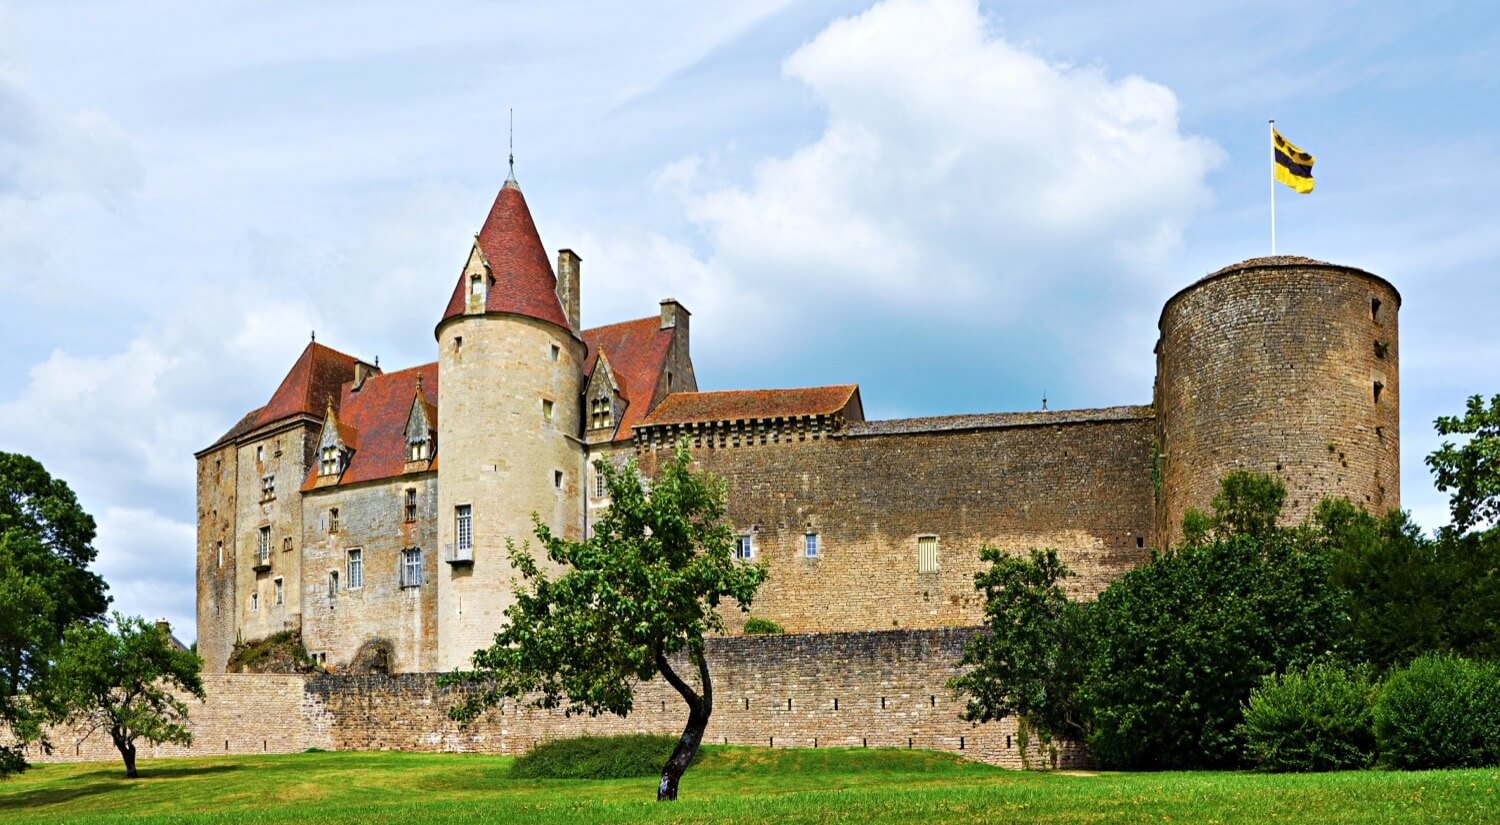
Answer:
(693, 699)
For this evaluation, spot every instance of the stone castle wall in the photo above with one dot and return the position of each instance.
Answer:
(1077, 481)
(372, 519)
(875, 689)
(218, 473)
(1272, 366)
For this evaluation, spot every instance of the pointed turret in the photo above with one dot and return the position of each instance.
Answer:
(508, 270)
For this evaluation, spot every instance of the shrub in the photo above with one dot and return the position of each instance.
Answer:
(596, 757)
(278, 653)
(1177, 645)
(1440, 712)
(755, 624)
(1317, 719)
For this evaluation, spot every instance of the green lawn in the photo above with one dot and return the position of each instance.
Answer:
(729, 784)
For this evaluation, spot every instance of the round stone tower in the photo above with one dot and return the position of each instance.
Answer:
(1281, 365)
(510, 366)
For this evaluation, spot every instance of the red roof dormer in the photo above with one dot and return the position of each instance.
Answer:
(521, 279)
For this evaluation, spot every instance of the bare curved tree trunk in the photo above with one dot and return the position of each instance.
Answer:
(699, 710)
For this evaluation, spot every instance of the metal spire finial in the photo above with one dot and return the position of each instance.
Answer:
(1044, 399)
(512, 175)
(315, 336)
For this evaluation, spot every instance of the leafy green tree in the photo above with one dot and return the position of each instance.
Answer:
(46, 545)
(1177, 644)
(644, 587)
(127, 679)
(1320, 718)
(1026, 662)
(1470, 472)
(1408, 594)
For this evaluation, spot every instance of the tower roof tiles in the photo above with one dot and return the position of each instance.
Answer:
(523, 280)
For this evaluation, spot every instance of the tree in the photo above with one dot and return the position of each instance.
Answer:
(1026, 662)
(45, 585)
(644, 587)
(1407, 594)
(1177, 644)
(122, 679)
(1471, 471)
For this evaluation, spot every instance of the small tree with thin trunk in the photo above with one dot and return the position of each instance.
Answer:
(642, 589)
(122, 679)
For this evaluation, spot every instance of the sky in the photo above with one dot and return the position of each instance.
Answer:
(961, 206)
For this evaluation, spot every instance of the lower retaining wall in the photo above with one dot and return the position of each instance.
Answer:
(873, 689)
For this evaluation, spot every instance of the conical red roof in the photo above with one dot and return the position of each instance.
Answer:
(524, 283)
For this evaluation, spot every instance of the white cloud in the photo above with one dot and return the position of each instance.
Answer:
(949, 149)
(149, 563)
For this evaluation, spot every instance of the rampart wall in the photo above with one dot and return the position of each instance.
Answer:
(1079, 481)
(873, 689)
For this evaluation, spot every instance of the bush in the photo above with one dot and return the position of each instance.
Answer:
(278, 653)
(1318, 719)
(596, 757)
(1440, 712)
(755, 624)
(1177, 645)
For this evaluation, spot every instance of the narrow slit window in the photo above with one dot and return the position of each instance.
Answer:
(557, 479)
(1379, 388)
(1375, 310)
(410, 513)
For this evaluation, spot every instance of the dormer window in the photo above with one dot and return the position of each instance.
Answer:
(476, 284)
(601, 413)
(419, 450)
(329, 461)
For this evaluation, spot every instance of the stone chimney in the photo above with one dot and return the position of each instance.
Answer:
(568, 266)
(674, 314)
(363, 371)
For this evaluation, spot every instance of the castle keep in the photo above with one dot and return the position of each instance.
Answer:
(369, 510)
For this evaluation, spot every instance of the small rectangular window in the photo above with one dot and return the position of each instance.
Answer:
(411, 504)
(556, 351)
(1375, 310)
(927, 554)
(744, 547)
(333, 583)
(267, 487)
(286, 544)
(279, 590)
(260, 453)
(254, 602)
(411, 567)
(557, 479)
(600, 487)
(263, 548)
(547, 409)
(356, 569)
(1379, 387)
(333, 519)
(463, 524)
(810, 545)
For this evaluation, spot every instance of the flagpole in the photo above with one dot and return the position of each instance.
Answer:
(1273, 186)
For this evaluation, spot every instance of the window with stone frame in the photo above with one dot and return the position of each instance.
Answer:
(279, 589)
(811, 546)
(744, 547)
(355, 564)
(267, 487)
(601, 413)
(601, 487)
(463, 526)
(411, 567)
(927, 554)
(263, 547)
(254, 602)
(409, 510)
(333, 583)
(333, 519)
(328, 462)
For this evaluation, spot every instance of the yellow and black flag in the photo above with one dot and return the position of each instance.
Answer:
(1293, 166)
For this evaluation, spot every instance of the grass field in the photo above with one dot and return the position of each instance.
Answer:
(729, 784)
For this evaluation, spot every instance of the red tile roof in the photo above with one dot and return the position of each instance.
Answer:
(737, 405)
(637, 352)
(317, 376)
(524, 283)
(377, 411)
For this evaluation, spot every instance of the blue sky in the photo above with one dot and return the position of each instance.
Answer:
(959, 206)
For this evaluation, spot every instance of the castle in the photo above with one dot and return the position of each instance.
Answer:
(369, 510)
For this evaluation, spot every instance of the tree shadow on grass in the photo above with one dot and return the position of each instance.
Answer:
(103, 781)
